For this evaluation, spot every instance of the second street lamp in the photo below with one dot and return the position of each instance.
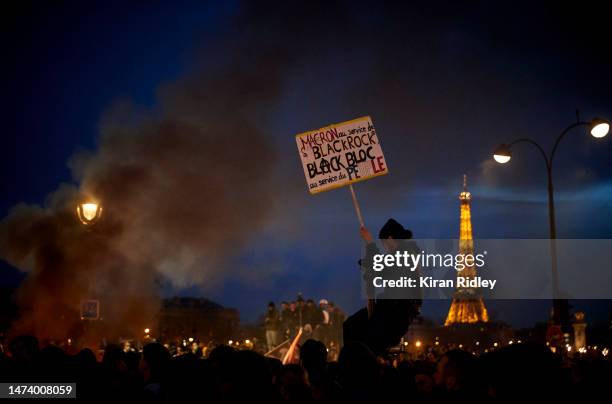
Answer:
(598, 128)
(502, 154)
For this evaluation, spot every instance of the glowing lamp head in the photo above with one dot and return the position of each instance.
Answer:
(502, 154)
(599, 128)
(89, 212)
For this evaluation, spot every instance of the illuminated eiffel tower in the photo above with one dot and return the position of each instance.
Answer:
(467, 306)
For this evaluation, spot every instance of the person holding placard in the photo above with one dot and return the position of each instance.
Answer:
(390, 316)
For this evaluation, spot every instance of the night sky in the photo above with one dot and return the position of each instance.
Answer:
(444, 85)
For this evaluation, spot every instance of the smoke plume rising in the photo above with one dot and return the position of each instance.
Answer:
(183, 186)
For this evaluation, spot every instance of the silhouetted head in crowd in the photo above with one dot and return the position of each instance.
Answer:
(132, 360)
(275, 365)
(221, 359)
(114, 358)
(86, 361)
(292, 384)
(240, 375)
(85, 357)
(424, 376)
(358, 370)
(221, 353)
(154, 363)
(54, 364)
(313, 356)
(407, 375)
(456, 371)
(24, 348)
(522, 370)
(252, 378)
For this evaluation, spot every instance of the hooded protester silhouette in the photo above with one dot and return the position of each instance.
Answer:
(392, 311)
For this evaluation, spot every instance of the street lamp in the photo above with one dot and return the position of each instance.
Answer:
(89, 212)
(502, 154)
(598, 128)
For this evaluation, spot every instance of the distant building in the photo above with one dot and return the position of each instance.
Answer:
(198, 318)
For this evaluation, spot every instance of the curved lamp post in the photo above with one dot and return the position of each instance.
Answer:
(598, 128)
(89, 212)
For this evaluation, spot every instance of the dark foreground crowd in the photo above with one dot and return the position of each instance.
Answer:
(514, 372)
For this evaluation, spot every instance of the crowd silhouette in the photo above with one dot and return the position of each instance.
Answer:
(520, 371)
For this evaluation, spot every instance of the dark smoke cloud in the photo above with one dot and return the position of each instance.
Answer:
(184, 187)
